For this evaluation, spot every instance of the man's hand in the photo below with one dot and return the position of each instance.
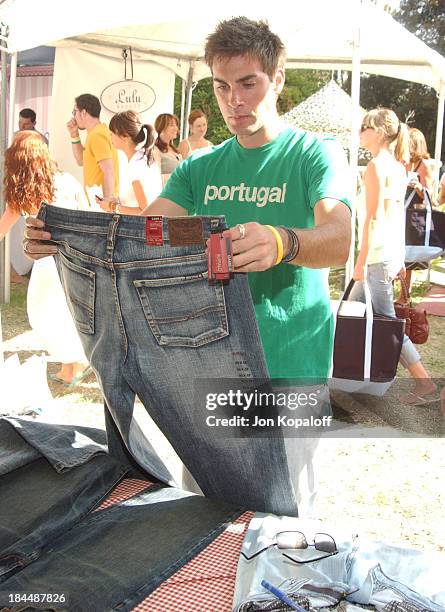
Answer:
(73, 129)
(255, 248)
(33, 236)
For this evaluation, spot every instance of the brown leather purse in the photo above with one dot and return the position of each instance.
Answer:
(416, 323)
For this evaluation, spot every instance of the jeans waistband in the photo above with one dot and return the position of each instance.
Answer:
(131, 226)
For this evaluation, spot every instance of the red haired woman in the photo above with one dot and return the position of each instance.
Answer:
(197, 131)
(32, 177)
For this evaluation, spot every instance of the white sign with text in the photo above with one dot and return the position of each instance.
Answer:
(128, 95)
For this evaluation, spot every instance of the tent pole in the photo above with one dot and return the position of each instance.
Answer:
(439, 131)
(188, 99)
(182, 127)
(354, 140)
(4, 244)
(12, 88)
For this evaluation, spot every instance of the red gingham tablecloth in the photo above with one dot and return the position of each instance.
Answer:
(204, 584)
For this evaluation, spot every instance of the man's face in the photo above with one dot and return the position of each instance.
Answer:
(25, 123)
(246, 96)
(79, 117)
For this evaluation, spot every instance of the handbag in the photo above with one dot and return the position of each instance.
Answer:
(366, 348)
(424, 228)
(416, 323)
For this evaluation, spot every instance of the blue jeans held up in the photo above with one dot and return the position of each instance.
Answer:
(151, 325)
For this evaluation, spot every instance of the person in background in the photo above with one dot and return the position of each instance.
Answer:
(382, 246)
(166, 154)
(136, 140)
(32, 177)
(419, 163)
(420, 177)
(98, 157)
(27, 121)
(197, 131)
(442, 190)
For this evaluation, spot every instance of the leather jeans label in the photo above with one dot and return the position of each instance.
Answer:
(185, 231)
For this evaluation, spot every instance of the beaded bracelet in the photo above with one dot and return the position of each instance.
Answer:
(294, 243)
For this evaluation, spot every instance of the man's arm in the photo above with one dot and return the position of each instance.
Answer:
(76, 147)
(322, 246)
(165, 207)
(107, 167)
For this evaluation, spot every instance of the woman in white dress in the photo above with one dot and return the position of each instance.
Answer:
(197, 131)
(136, 140)
(31, 178)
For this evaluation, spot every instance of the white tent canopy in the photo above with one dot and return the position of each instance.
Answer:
(327, 111)
(319, 34)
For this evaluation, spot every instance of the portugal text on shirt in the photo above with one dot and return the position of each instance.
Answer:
(260, 196)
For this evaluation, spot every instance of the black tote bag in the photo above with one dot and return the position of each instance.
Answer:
(366, 348)
(424, 229)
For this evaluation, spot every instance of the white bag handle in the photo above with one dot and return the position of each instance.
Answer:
(369, 325)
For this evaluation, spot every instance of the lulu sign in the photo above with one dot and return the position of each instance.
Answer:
(128, 95)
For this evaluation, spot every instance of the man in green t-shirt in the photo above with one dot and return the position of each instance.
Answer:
(266, 175)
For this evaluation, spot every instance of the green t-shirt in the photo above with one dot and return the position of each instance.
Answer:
(276, 184)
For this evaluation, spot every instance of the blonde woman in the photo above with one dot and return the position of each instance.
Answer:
(197, 130)
(419, 163)
(382, 248)
(420, 176)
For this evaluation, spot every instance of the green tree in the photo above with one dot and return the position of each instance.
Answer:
(425, 19)
(299, 85)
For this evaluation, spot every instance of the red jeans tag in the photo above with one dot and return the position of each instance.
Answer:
(153, 231)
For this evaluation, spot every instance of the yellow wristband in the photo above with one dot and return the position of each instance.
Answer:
(279, 241)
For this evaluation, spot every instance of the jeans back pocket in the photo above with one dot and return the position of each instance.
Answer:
(80, 290)
(184, 310)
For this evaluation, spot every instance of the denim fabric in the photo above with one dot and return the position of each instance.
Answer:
(116, 557)
(14, 450)
(379, 572)
(151, 325)
(380, 277)
(38, 504)
(64, 446)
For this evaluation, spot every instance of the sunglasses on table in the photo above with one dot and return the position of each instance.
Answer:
(296, 540)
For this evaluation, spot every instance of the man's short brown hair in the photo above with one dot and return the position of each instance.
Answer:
(242, 36)
(89, 103)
